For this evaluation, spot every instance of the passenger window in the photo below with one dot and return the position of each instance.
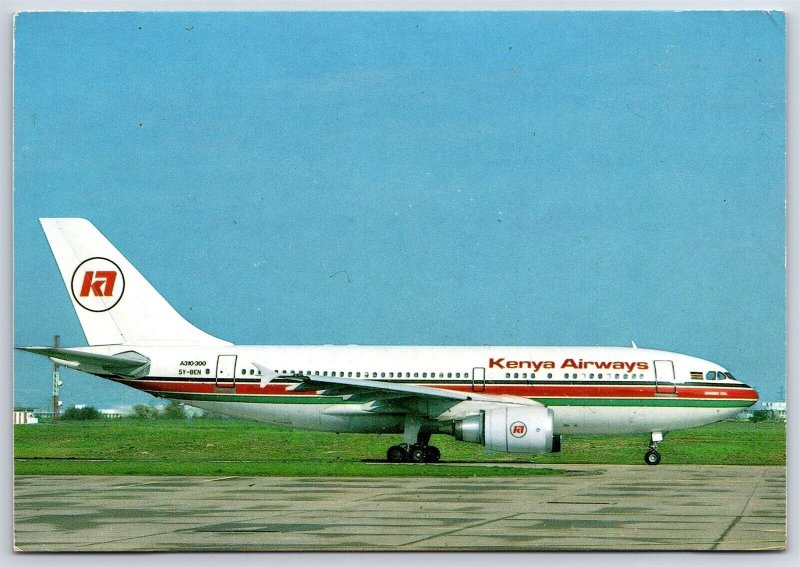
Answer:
(208, 371)
(625, 376)
(244, 371)
(591, 376)
(508, 374)
(549, 375)
(574, 375)
(566, 375)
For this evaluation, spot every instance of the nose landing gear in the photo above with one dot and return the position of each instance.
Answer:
(653, 457)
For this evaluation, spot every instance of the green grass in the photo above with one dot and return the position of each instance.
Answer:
(204, 447)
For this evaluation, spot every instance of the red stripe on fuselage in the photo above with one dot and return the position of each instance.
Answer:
(524, 390)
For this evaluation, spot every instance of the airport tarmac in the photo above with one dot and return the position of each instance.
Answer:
(591, 507)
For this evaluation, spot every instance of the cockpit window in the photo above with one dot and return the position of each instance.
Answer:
(730, 376)
(711, 375)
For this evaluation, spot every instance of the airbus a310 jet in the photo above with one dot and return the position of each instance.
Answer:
(516, 399)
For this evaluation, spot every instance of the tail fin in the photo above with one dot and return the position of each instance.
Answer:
(114, 303)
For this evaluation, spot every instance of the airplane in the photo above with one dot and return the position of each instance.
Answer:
(515, 399)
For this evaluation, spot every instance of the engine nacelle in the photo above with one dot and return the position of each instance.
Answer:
(511, 429)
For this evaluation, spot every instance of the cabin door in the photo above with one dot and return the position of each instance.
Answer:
(665, 377)
(478, 379)
(226, 371)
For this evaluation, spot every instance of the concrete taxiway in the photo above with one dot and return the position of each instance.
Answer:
(593, 507)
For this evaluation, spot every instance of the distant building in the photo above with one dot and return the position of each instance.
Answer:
(24, 417)
(113, 413)
(193, 412)
(44, 415)
(777, 409)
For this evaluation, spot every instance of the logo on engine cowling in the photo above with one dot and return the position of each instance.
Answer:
(97, 284)
(518, 429)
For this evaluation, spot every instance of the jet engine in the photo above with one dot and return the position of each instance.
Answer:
(510, 429)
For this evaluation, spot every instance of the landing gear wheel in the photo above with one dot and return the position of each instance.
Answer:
(652, 457)
(432, 454)
(418, 454)
(397, 454)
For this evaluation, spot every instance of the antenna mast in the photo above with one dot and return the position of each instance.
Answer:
(56, 382)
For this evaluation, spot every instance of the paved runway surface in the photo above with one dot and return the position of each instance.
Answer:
(590, 508)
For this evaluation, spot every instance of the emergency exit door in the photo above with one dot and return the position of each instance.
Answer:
(226, 371)
(478, 379)
(665, 377)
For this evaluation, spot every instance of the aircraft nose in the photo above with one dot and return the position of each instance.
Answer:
(751, 394)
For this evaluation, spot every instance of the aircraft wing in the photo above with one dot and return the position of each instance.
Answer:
(128, 363)
(368, 390)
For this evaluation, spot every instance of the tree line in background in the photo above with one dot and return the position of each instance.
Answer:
(174, 410)
(765, 415)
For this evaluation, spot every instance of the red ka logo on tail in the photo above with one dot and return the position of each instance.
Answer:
(98, 283)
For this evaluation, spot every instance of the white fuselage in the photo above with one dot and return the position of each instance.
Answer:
(591, 390)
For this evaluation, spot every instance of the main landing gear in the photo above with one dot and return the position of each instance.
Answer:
(653, 457)
(414, 452)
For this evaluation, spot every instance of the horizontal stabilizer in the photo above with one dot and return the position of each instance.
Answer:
(128, 363)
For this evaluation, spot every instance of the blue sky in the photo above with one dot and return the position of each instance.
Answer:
(413, 178)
